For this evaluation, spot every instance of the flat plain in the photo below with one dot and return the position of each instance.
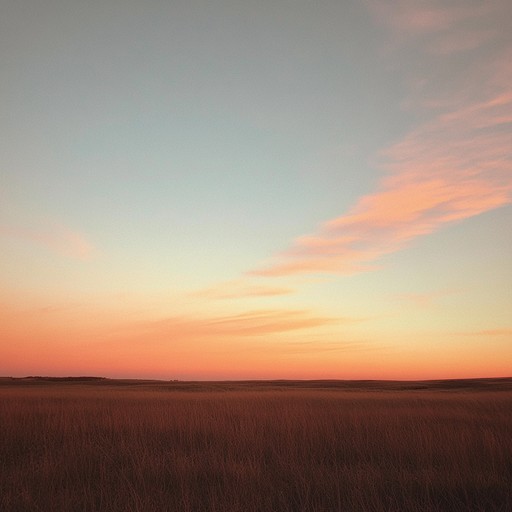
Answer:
(88, 444)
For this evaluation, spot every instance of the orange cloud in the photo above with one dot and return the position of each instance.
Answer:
(252, 323)
(57, 238)
(451, 168)
(489, 332)
(239, 289)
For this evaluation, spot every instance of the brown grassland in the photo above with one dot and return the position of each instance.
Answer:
(123, 446)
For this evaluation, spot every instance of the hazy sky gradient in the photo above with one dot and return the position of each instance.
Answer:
(284, 189)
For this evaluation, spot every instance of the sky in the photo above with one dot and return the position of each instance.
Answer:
(225, 189)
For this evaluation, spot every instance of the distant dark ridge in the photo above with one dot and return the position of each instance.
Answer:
(476, 384)
(63, 379)
(441, 385)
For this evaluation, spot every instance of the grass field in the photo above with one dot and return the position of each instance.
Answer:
(271, 446)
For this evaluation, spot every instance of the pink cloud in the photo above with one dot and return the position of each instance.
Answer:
(451, 168)
(432, 18)
(459, 42)
(57, 238)
(435, 181)
(426, 299)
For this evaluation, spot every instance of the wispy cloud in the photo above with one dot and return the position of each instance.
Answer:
(426, 299)
(448, 44)
(55, 237)
(488, 332)
(435, 19)
(238, 289)
(320, 346)
(450, 168)
(252, 323)
(415, 18)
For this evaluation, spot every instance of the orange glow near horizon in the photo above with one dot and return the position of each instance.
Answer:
(255, 345)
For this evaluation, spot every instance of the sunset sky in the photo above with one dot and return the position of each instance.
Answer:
(237, 189)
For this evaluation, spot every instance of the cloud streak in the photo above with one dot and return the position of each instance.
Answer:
(489, 332)
(459, 22)
(239, 289)
(57, 238)
(450, 168)
(426, 299)
(252, 323)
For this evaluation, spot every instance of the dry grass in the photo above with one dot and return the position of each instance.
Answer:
(98, 447)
